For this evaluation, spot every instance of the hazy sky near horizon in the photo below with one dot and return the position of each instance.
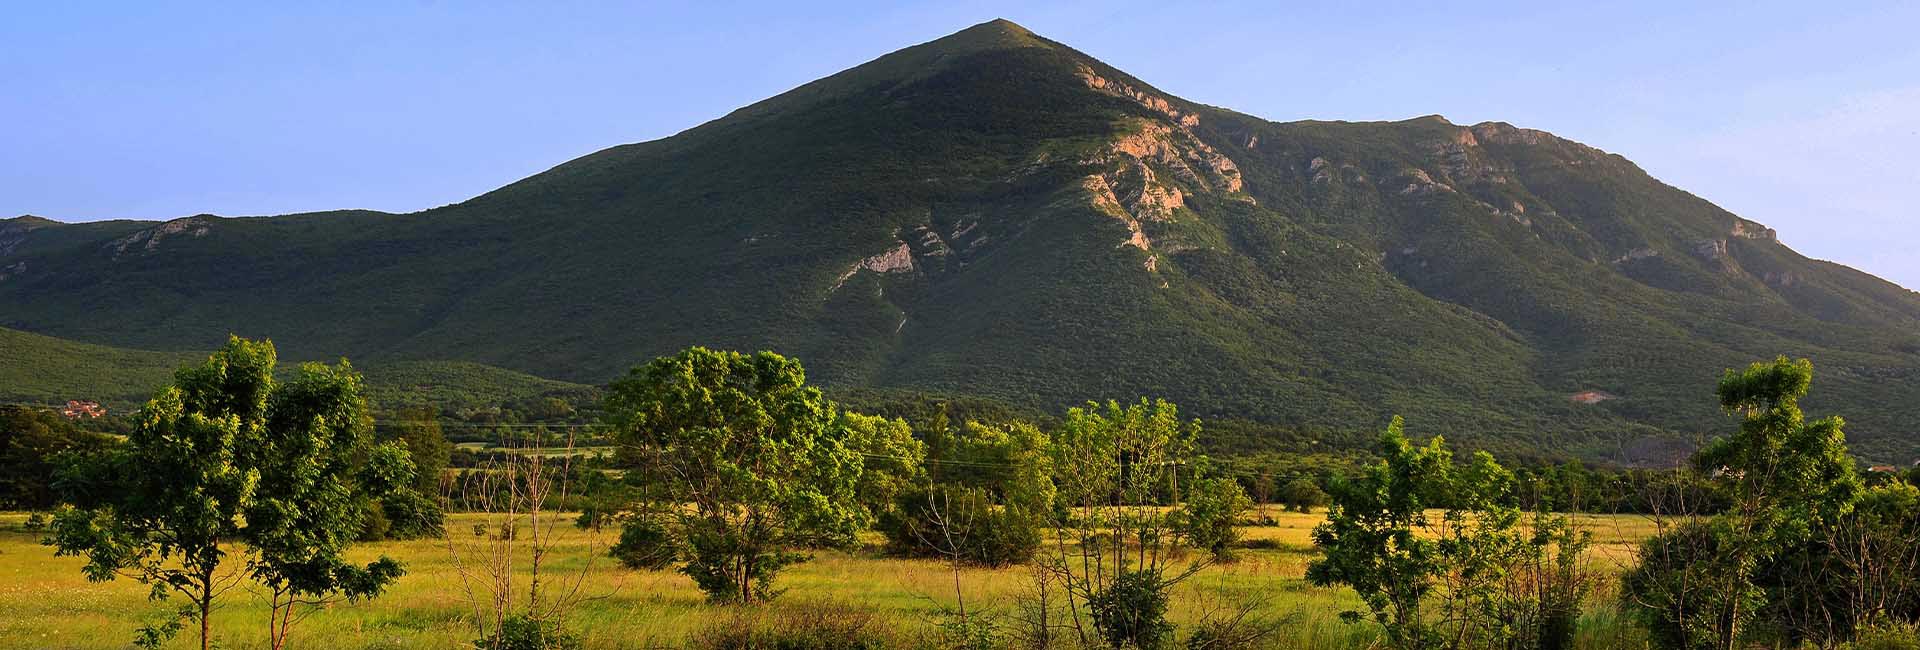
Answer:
(1805, 119)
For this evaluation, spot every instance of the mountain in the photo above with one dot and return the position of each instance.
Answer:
(994, 214)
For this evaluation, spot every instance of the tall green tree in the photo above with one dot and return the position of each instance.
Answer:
(752, 462)
(226, 461)
(892, 462)
(1373, 539)
(411, 510)
(1784, 481)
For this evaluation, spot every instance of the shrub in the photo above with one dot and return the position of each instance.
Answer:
(525, 633)
(646, 543)
(411, 515)
(1207, 520)
(1303, 495)
(1682, 591)
(970, 633)
(1131, 612)
(1887, 636)
(994, 536)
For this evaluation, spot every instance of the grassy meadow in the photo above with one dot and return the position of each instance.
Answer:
(46, 603)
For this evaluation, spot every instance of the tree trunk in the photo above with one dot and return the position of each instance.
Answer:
(206, 614)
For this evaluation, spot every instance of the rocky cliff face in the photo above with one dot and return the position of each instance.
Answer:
(14, 231)
(149, 240)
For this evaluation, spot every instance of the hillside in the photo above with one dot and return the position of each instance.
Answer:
(997, 215)
(42, 370)
(48, 371)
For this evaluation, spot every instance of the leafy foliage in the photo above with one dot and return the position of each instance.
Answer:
(646, 543)
(996, 478)
(521, 632)
(892, 462)
(1212, 511)
(1802, 551)
(1131, 612)
(1119, 465)
(753, 460)
(1471, 577)
(227, 455)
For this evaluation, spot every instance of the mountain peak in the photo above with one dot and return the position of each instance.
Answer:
(996, 34)
(913, 62)
(997, 31)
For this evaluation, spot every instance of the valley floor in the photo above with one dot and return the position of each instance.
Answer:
(47, 603)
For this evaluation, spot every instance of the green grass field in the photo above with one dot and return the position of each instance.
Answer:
(48, 604)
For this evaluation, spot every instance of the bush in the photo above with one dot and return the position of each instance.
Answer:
(1865, 567)
(645, 543)
(411, 515)
(974, 632)
(520, 632)
(1208, 518)
(1303, 495)
(1131, 612)
(1681, 590)
(994, 536)
(374, 524)
(1887, 637)
(815, 626)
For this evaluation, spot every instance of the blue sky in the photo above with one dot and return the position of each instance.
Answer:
(1805, 119)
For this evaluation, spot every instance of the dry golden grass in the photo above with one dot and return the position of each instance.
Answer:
(46, 603)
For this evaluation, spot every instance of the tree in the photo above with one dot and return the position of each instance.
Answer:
(507, 555)
(1784, 477)
(418, 430)
(315, 462)
(755, 461)
(996, 478)
(32, 445)
(1784, 481)
(1471, 577)
(892, 462)
(1372, 539)
(411, 510)
(1303, 495)
(1117, 467)
(228, 461)
(1213, 509)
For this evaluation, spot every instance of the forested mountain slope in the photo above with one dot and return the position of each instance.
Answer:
(994, 214)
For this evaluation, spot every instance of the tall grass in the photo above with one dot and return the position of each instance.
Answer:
(46, 603)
